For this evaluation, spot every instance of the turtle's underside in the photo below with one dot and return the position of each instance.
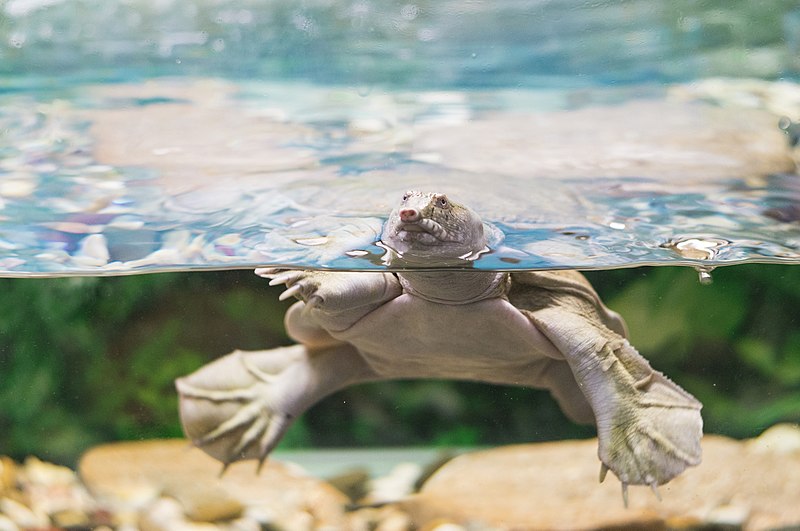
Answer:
(544, 329)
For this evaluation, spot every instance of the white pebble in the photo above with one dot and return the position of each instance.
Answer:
(7, 524)
(22, 515)
(397, 484)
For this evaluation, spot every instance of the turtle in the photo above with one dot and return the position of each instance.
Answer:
(431, 315)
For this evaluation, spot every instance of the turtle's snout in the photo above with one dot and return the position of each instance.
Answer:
(409, 215)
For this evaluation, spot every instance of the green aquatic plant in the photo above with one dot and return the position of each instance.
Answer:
(87, 360)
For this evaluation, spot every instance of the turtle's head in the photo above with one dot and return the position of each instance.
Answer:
(430, 229)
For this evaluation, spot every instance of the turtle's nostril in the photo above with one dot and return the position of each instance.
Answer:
(409, 214)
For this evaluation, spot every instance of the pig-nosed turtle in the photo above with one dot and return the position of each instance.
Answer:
(544, 329)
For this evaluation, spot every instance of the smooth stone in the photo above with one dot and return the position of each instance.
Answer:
(397, 484)
(22, 515)
(656, 139)
(134, 475)
(202, 137)
(554, 486)
(166, 514)
(779, 439)
(7, 524)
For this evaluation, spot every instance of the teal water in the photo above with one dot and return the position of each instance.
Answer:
(151, 136)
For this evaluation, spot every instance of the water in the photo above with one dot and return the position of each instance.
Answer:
(152, 136)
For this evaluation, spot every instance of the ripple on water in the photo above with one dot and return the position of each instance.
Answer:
(262, 180)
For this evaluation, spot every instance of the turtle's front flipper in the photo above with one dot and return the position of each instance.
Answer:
(648, 428)
(335, 300)
(240, 405)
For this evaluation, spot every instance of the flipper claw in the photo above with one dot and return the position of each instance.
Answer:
(284, 277)
(293, 290)
(603, 472)
(654, 488)
(266, 272)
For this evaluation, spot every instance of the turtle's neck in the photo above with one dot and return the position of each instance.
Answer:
(454, 287)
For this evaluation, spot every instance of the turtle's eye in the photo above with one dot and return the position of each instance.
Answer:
(407, 195)
(441, 201)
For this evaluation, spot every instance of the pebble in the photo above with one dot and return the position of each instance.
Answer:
(22, 515)
(396, 485)
(279, 496)
(781, 439)
(7, 524)
(166, 486)
(8, 474)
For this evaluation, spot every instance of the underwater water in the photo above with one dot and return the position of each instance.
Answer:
(152, 136)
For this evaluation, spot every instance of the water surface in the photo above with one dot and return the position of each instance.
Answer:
(154, 136)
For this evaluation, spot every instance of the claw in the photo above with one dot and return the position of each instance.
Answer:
(603, 472)
(625, 494)
(266, 272)
(289, 292)
(273, 434)
(242, 417)
(270, 439)
(284, 277)
(654, 488)
(260, 465)
(250, 436)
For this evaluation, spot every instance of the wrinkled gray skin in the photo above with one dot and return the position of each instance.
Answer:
(544, 329)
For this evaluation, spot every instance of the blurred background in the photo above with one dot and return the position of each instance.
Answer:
(86, 360)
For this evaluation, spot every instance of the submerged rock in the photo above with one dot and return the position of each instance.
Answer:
(165, 485)
(175, 485)
(554, 486)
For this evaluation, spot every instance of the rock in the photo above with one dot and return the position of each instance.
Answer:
(354, 483)
(661, 140)
(384, 518)
(397, 484)
(554, 486)
(167, 514)
(393, 519)
(779, 439)
(22, 515)
(7, 524)
(780, 98)
(199, 138)
(206, 503)
(140, 476)
(55, 491)
(443, 525)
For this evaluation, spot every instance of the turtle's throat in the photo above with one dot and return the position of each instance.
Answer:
(455, 287)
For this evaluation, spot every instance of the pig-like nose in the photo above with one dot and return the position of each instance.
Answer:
(409, 214)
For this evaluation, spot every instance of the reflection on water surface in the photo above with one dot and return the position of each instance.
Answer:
(214, 135)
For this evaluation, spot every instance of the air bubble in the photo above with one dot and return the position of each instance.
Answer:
(704, 275)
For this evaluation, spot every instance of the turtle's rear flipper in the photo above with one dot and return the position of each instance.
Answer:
(648, 427)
